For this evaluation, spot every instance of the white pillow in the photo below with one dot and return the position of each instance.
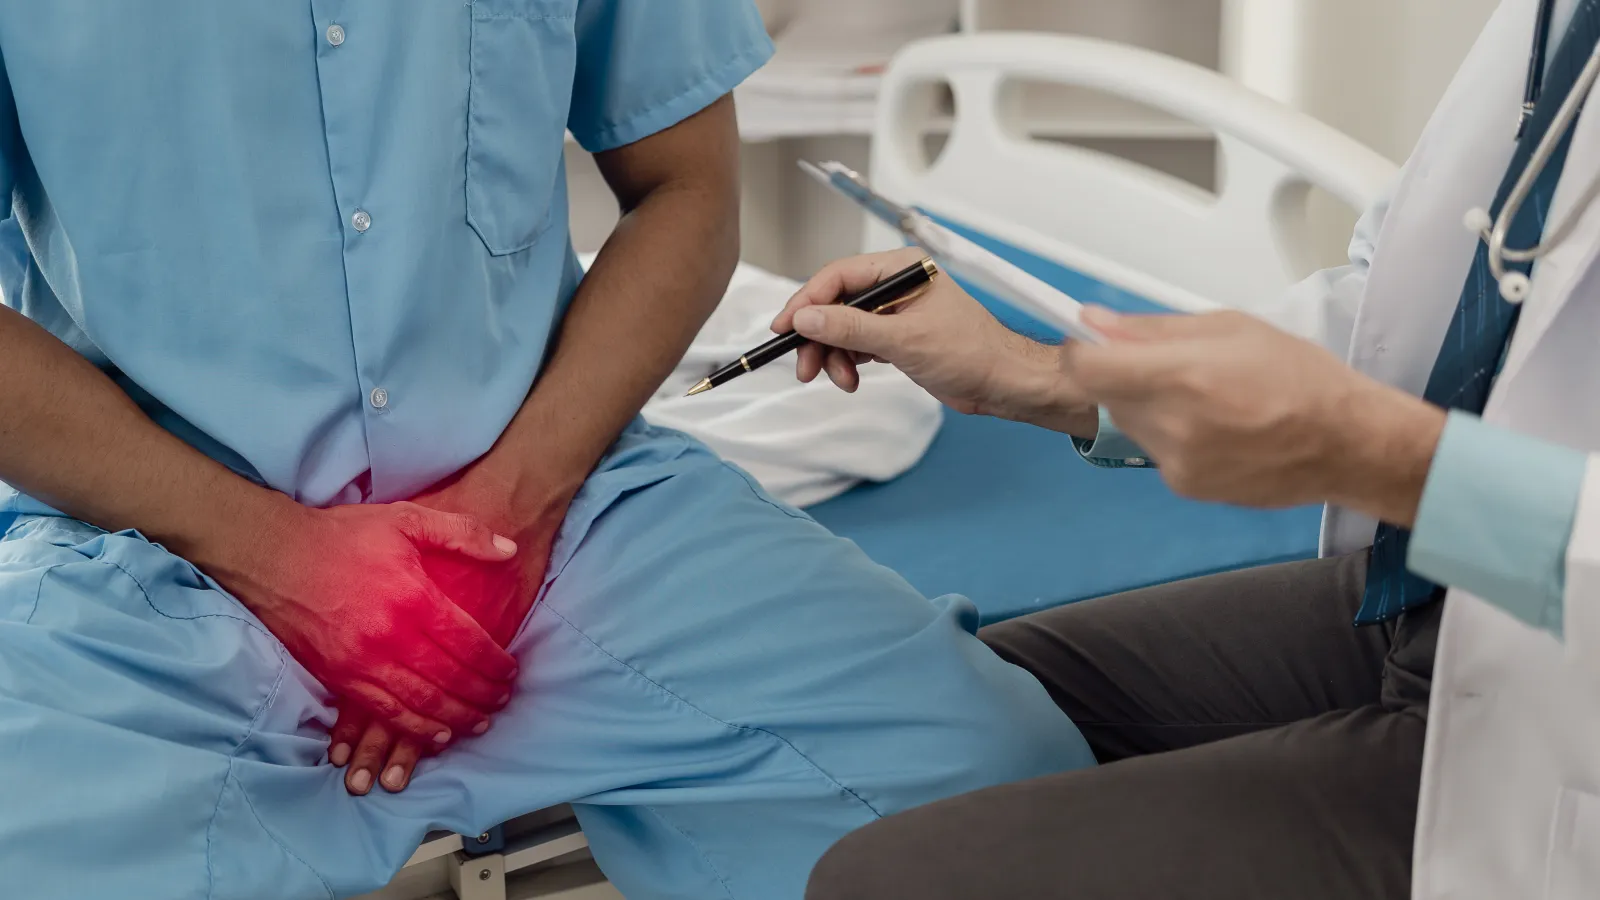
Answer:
(805, 443)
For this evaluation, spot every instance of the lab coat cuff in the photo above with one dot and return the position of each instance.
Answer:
(1111, 449)
(1497, 516)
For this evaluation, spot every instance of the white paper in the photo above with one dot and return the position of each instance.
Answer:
(966, 260)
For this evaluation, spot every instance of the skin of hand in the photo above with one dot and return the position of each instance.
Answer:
(659, 277)
(344, 589)
(497, 594)
(944, 340)
(1236, 411)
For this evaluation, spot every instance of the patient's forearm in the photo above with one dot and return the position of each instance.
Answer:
(658, 278)
(71, 438)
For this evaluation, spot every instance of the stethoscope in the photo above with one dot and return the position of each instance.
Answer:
(1515, 286)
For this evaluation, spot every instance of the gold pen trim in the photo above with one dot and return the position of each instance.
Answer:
(929, 266)
(745, 361)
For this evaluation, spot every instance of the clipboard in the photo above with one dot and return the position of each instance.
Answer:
(960, 257)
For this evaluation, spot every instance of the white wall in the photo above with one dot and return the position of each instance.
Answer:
(1372, 68)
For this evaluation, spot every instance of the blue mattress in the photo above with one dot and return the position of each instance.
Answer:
(1011, 517)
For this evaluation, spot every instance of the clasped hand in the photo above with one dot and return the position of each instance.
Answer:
(402, 611)
(345, 591)
(496, 594)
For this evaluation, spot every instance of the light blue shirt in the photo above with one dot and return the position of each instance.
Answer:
(326, 242)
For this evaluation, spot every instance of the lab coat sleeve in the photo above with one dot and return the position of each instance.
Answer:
(646, 65)
(1582, 595)
(1322, 308)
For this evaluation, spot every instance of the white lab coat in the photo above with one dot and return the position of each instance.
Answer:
(1510, 805)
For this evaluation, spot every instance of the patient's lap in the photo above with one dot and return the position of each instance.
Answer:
(700, 655)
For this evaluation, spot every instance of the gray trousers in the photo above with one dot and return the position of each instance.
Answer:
(1255, 746)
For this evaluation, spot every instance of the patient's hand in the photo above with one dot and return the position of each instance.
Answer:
(345, 591)
(498, 595)
(944, 340)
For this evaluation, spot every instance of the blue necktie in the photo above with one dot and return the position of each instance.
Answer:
(1475, 346)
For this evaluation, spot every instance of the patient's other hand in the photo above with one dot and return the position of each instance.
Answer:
(345, 591)
(944, 340)
(498, 595)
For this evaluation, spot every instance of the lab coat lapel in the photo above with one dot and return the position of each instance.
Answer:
(1423, 253)
(1567, 265)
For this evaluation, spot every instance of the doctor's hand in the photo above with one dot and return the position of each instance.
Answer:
(1236, 411)
(944, 340)
(345, 590)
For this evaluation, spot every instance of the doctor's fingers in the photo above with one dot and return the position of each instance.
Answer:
(1166, 327)
(1129, 371)
(841, 278)
(814, 359)
(884, 336)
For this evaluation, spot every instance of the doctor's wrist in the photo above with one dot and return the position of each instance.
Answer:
(1384, 452)
(1029, 387)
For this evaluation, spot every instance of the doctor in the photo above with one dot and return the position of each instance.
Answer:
(1449, 746)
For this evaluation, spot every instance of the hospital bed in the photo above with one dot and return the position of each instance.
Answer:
(1004, 513)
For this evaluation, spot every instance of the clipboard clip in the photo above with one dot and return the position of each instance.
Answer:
(846, 181)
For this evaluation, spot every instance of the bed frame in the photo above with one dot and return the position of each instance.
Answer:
(1118, 222)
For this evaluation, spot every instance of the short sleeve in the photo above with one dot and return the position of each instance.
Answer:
(13, 248)
(646, 65)
(10, 140)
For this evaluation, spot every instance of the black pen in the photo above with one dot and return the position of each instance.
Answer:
(881, 297)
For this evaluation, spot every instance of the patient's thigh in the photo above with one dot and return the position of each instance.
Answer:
(723, 687)
(129, 689)
(767, 688)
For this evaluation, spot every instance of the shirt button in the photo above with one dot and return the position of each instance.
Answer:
(1137, 461)
(335, 35)
(361, 220)
(380, 398)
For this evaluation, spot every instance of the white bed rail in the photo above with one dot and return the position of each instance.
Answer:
(1116, 221)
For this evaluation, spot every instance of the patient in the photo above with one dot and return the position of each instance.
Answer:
(306, 407)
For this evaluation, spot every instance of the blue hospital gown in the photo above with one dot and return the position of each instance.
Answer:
(326, 243)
